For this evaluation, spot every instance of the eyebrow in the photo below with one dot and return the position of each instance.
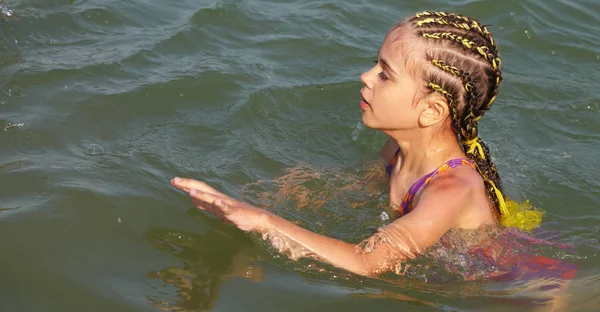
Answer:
(385, 63)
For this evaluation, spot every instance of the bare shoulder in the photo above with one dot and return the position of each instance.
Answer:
(459, 194)
(442, 205)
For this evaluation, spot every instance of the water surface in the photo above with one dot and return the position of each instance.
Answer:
(102, 102)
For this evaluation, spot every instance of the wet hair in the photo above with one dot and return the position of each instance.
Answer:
(461, 62)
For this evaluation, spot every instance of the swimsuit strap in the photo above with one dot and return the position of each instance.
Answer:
(406, 206)
(392, 163)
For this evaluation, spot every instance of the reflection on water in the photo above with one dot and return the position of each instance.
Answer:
(338, 202)
(304, 186)
(207, 261)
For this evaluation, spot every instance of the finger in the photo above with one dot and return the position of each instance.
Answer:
(217, 208)
(188, 184)
(222, 205)
(222, 209)
(217, 202)
(211, 208)
(203, 205)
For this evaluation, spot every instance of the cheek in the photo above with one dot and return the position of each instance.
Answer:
(389, 95)
(397, 99)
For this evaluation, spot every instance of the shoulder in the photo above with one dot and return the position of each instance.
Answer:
(459, 180)
(440, 207)
(452, 191)
(458, 194)
(453, 199)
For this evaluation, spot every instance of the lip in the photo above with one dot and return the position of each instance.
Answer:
(363, 103)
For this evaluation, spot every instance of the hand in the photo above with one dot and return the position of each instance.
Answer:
(245, 216)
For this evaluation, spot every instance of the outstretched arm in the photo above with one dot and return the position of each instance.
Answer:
(284, 235)
(403, 239)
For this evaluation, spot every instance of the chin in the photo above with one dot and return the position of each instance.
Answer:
(368, 122)
(364, 119)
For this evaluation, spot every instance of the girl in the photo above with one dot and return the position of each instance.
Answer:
(436, 75)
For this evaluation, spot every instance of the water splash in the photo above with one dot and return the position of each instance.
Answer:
(94, 150)
(10, 126)
(5, 11)
(359, 127)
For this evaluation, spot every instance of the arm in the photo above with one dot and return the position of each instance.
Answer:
(401, 240)
(299, 242)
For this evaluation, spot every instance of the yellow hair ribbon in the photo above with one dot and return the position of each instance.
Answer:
(474, 144)
(491, 101)
(501, 201)
(522, 216)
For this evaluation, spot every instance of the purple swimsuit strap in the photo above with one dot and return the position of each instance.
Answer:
(406, 206)
(392, 163)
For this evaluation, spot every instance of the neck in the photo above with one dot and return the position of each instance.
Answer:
(423, 152)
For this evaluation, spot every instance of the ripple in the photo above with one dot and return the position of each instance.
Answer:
(13, 165)
(73, 49)
(96, 184)
(32, 148)
(44, 193)
(85, 167)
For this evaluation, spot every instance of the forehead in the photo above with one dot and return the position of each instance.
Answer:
(400, 47)
(394, 44)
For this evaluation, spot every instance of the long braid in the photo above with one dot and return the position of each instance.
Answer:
(475, 97)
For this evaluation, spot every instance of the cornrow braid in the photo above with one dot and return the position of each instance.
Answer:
(488, 51)
(460, 22)
(481, 50)
(470, 89)
(496, 79)
(474, 24)
(484, 51)
(449, 97)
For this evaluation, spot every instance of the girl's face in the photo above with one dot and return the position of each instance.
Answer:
(390, 93)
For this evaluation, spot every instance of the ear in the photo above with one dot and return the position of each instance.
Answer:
(435, 109)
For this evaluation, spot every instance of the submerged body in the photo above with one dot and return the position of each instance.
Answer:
(492, 252)
(489, 252)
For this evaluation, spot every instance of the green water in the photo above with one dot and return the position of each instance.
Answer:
(102, 102)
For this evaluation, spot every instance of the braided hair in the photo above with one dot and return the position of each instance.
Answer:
(462, 63)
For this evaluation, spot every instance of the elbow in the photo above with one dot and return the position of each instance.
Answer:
(369, 267)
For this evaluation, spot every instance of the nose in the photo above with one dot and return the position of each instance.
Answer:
(367, 78)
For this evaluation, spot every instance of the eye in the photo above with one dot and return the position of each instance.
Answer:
(382, 76)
